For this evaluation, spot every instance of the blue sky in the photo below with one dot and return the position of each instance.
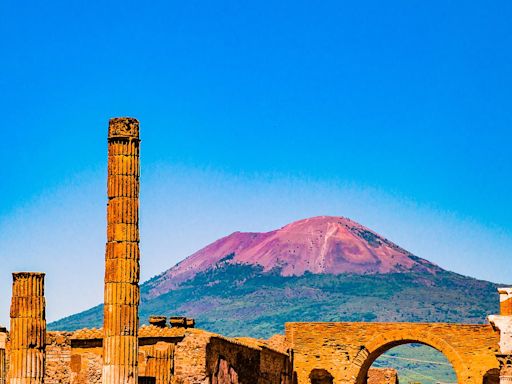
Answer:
(254, 114)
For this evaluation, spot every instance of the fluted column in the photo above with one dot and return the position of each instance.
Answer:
(121, 320)
(3, 368)
(28, 329)
(160, 362)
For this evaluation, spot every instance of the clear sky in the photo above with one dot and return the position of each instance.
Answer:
(254, 114)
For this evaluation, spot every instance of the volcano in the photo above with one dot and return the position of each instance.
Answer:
(319, 245)
(323, 268)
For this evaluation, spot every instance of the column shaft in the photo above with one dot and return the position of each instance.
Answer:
(121, 321)
(28, 329)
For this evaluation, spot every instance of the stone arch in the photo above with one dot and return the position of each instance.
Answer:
(382, 343)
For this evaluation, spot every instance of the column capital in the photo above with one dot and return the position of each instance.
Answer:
(505, 361)
(123, 127)
(27, 274)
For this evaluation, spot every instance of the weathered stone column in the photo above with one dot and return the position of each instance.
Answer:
(28, 329)
(121, 319)
(3, 367)
(503, 324)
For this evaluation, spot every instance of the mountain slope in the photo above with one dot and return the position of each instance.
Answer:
(319, 269)
(320, 245)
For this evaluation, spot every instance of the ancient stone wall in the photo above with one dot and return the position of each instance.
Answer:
(58, 358)
(275, 367)
(86, 362)
(169, 356)
(228, 363)
(347, 350)
(79, 361)
(190, 359)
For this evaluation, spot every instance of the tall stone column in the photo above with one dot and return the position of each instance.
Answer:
(28, 329)
(3, 367)
(121, 319)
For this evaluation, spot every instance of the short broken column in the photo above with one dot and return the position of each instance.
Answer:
(3, 367)
(28, 329)
(160, 362)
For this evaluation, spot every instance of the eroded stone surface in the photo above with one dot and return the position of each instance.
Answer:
(170, 356)
(122, 294)
(382, 376)
(28, 329)
(123, 127)
(504, 325)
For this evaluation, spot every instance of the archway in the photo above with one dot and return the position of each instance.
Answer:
(412, 363)
(384, 342)
(347, 350)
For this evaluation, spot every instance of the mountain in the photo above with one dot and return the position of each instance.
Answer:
(318, 269)
(320, 245)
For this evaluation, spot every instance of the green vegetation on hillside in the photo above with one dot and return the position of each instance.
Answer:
(235, 299)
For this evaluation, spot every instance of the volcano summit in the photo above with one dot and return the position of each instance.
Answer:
(319, 245)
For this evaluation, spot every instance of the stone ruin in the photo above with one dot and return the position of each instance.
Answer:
(173, 351)
(503, 324)
(122, 295)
